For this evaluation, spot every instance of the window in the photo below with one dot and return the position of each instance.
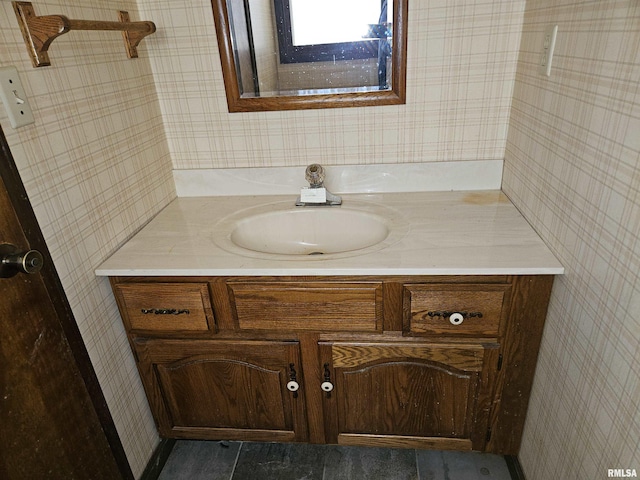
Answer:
(326, 31)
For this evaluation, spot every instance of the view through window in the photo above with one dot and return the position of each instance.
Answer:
(333, 21)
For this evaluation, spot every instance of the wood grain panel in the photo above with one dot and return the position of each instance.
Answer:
(403, 441)
(529, 303)
(314, 376)
(427, 308)
(231, 387)
(395, 394)
(189, 301)
(237, 387)
(462, 357)
(405, 397)
(308, 306)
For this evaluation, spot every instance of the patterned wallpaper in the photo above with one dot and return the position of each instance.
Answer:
(96, 167)
(573, 168)
(461, 64)
(97, 163)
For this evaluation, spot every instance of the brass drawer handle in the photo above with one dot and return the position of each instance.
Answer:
(164, 311)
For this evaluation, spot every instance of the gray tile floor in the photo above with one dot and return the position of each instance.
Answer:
(200, 460)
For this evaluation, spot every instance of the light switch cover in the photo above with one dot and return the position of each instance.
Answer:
(549, 44)
(14, 98)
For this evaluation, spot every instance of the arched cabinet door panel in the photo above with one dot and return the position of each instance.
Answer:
(400, 394)
(224, 389)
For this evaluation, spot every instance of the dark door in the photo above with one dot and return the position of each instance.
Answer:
(53, 420)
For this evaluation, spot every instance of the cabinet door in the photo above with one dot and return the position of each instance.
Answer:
(422, 395)
(224, 389)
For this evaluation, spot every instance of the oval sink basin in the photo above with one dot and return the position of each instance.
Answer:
(309, 230)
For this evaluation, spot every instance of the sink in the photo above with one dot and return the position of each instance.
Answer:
(282, 231)
(310, 231)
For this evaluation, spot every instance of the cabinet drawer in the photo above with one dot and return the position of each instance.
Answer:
(453, 309)
(165, 307)
(308, 306)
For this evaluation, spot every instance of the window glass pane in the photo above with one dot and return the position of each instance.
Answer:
(315, 22)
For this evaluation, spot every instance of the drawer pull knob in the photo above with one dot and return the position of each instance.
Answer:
(456, 318)
(164, 311)
(293, 386)
(327, 386)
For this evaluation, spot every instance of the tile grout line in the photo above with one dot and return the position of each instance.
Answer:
(235, 463)
(324, 467)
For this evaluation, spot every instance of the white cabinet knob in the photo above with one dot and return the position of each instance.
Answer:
(456, 318)
(326, 386)
(293, 386)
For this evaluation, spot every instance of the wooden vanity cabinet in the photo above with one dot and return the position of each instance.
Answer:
(440, 362)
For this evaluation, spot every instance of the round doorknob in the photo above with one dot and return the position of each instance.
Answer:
(293, 386)
(456, 318)
(13, 261)
(326, 386)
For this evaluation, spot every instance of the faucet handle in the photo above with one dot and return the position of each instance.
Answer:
(314, 174)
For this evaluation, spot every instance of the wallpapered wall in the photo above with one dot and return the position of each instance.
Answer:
(461, 64)
(97, 164)
(96, 167)
(572, 167)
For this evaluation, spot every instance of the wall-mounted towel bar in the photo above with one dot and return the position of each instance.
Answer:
(40, 31)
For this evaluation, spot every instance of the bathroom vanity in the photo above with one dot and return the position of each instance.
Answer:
(425, 339)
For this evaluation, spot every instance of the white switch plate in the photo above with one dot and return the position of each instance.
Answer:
(549, 44)
(14, 98)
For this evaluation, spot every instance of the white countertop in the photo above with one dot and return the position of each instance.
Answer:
(441, 233)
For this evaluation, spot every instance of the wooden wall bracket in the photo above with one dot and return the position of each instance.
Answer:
(40, 31)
